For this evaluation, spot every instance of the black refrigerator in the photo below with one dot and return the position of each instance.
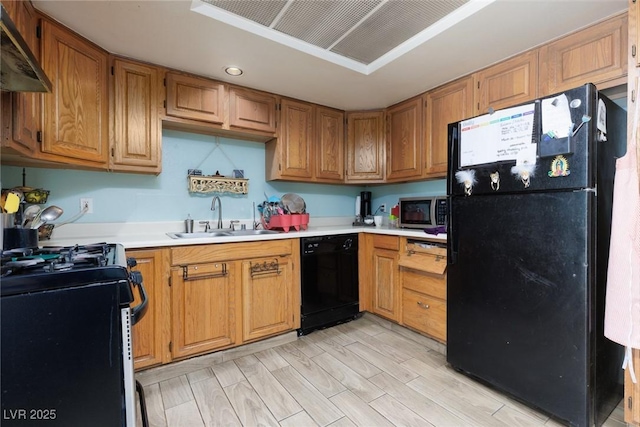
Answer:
(530, 193)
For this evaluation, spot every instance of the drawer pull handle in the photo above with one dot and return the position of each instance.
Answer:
(423, 305)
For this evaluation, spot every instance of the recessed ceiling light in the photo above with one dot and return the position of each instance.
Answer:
(233, 71)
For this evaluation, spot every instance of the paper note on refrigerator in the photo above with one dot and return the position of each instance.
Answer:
(556, 117)
(496, 137)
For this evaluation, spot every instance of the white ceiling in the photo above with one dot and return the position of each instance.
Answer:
(170, 33)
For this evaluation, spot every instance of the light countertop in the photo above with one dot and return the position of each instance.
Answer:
(154, 234)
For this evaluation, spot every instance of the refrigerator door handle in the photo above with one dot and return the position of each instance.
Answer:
(452, 247)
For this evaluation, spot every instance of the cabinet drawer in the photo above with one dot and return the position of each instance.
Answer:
(215, 252)
(424, 261)
(429, 284)
(426, 314)
(386, 242)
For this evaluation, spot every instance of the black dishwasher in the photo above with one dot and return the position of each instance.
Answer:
(329, 269)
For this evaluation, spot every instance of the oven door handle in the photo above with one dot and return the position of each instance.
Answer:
(139, 310)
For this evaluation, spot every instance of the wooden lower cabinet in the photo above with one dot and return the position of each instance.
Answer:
(204, 300)
(267, 297)
(152, 333)
(632, 394)
(386, 287)
(424, 288)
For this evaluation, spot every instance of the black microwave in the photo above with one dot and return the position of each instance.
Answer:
(422, 212)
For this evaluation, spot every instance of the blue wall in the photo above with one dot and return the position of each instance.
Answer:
(122, 197)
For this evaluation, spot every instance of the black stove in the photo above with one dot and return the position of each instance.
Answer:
(47, 268)
(66, 340)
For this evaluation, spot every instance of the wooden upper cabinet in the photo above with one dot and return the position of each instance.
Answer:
(506, 84)
(404, 140)
(447, 104)
(26, 116)
(329, 143)
(289, 156)
(195, 98)
(365, 147)
(137, 135)
(252, 110)
(595, 55)
(76, 112)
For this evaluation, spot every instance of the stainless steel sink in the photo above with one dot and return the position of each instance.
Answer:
(252, 232)
(218, 233)
(199, 235)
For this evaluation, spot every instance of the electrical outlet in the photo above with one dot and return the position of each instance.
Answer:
(383, 208)
(86, 204)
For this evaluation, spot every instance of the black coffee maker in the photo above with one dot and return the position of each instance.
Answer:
(365, 204)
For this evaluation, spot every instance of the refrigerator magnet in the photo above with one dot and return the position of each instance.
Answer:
(495, 180)
(467, 178)
(524, 172)
(559, 167)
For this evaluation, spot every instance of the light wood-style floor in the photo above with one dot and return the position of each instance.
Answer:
(368, 372)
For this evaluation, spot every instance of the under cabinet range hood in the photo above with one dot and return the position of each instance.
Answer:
(19, 69)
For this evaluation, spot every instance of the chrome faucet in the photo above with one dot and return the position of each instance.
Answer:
(213, 208)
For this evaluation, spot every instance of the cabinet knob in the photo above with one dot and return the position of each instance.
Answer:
(423, 305)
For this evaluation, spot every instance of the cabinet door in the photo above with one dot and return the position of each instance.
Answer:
(365, 147)
(151, 333)
(252, 110)
(509, 83)
(632, 394)
(26, 109)
(404, 140)
(195, 98)
(203, 308)
(386, 289)
(76, 111)
(294, 139)
(267, 297)
(447, 104)
(596, 55)
(136, 139)
(329, 153)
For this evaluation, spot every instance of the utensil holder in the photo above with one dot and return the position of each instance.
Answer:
(13, 238)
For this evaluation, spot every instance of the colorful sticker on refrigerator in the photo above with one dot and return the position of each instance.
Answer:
(496, 137)
(602, 117)
(559, 167)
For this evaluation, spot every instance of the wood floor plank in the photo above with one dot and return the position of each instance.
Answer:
(301, 419)
(343, 422)
(271, 359)
(199, 375)
(382, 362)
(155, 406)
(359, 385)
(369, 327)
(281, 404)
(421, 405)
(248, 406)
(175, 391)
(413, 349)
(359, 411)
(184, 415)
(321, 380)
(215, 408)
(397, 413)
(373, 342)
(314, 403)
(349, 358)
(335, 335)
(512, 417)
(227, 373)
(307, 347)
